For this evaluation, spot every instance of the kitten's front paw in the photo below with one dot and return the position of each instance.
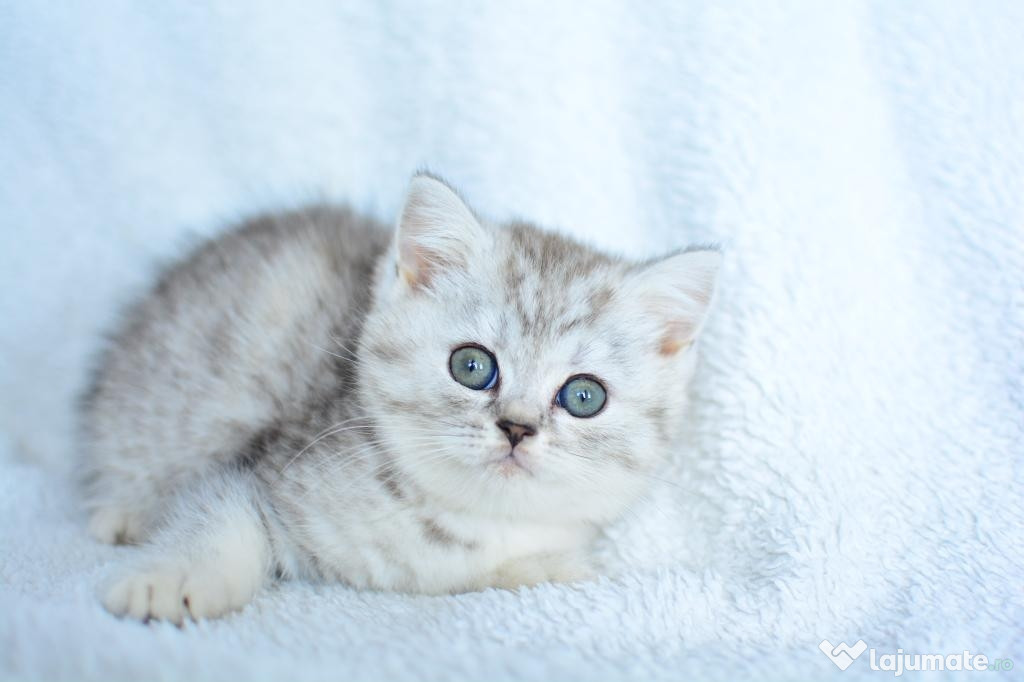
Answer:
(173, 593)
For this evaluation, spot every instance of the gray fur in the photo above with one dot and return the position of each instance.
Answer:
(280, 404)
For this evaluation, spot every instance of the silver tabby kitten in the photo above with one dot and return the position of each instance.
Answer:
(447, 407)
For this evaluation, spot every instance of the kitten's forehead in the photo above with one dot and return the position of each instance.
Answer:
(551, 285)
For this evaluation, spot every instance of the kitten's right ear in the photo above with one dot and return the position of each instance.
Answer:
(437, 233)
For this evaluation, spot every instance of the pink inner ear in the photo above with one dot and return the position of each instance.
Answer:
(419, 264)
(678, 335)
(413, 264)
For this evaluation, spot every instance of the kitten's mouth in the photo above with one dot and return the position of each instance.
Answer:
(512, 464)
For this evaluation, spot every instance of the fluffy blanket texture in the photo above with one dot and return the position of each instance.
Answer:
(854, 467)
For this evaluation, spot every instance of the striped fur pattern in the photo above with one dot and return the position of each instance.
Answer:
(281, 404)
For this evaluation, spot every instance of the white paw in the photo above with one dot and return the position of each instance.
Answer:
(115, 526)
(174, 593)
(571, 572)
(533, 570)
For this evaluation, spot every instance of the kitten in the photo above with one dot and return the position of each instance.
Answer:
(449, 407)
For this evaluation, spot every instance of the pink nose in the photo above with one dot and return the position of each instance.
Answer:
(515, 432)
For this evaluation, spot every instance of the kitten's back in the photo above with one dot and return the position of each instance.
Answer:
(250, 330)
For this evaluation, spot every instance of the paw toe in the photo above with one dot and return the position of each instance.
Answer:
(139, 594)
(114, 526)
(143, 596)
(173, 593)
(118, 597)
(206, 596)
(165, 599)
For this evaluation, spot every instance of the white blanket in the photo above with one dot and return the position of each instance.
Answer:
(854, 470)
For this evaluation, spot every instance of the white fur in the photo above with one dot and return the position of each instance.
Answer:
(221, 432)
(209, 558)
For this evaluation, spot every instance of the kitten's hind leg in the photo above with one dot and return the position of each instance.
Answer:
(209, 557)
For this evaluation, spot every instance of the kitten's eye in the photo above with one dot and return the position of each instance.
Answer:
(474, 367)
(582, 396)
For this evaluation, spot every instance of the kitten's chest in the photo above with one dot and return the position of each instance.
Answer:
(393, 539)
(484, 546)
(433, 551)
(500, 541)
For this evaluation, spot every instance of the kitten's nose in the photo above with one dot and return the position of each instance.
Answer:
(515, 432)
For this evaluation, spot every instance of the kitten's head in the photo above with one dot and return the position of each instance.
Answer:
(518, 373)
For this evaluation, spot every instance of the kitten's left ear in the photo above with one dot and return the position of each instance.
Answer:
(676, 293)
(437, 233)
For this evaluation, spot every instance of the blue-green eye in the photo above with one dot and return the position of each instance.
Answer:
(474, 367)
(582, 396)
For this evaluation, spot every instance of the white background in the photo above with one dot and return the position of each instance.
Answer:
(855, 465)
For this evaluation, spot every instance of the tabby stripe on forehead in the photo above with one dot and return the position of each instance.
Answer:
(599, 300)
